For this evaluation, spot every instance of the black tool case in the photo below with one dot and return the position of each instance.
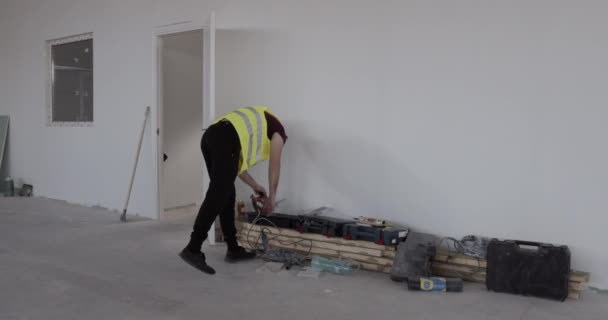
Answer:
(355, 231)
(328, 226)
(528, 268)
(413, 257)
(393, 236)
(280, 220)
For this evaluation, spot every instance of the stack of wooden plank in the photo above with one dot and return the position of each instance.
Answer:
(369, 256)
(373, 257)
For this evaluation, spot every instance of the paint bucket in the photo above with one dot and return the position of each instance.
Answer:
(9, 187)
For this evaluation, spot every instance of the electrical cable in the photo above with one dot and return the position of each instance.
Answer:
(258, 246)
(459, 249)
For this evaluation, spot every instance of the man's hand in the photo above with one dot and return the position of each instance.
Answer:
(269, 205)
(259, 190)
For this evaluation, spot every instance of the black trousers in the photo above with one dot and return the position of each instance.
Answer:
(221, 149)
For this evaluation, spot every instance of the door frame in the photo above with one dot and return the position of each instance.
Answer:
(208, 105)
(158, 40)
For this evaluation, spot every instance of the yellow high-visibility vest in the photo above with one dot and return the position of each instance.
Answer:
(250, 124)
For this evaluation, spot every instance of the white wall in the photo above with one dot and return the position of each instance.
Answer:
(183, 118)
(454, 117)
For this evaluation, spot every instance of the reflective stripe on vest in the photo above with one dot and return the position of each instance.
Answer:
(259, 135)
(258, 118)
(250, 132)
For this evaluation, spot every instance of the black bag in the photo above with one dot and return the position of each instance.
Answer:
(540, 270)
(413, 258)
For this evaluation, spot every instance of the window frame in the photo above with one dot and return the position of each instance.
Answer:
(51, 75)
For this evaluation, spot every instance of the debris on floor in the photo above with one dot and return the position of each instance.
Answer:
(273, 267)
(308, 272)
(26, 190)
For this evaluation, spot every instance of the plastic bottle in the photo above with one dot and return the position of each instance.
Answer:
(331, 265)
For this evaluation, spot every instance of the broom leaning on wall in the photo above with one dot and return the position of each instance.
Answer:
(123, 217)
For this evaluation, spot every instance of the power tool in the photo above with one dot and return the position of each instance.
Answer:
(434, 284)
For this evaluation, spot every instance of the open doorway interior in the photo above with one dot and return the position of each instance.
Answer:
(182, 123)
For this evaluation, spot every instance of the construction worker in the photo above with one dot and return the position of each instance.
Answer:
(231, 145)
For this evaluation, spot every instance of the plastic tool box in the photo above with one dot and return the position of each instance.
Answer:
(279, 220)
(528, 268)
(328, 226)
(363, 232)
(393, 236)
(375, 234)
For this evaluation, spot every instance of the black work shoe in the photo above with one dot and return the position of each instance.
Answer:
(239, 254)
(196, 260)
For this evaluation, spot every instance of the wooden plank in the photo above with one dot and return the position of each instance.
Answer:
(580, 276)
(460, 260)
(577, 286)
(327, 253)
(463, 269)
(366, 259)
(317, 237)
(254, 236)
(455, 271)
(389, 254)
(365, 262)
(284, 242)
(322, 244)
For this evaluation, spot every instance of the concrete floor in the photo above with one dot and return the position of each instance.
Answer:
(59, 261)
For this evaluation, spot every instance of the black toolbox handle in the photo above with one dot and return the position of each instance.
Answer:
(519, 243)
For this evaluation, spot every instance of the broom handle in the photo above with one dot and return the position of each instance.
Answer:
(141, 138)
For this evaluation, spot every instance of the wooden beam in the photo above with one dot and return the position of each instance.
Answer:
(463, 269)
(460, 259)
(580, 276)
(302, 247)
(320, 244)
(389, 254)
(326, 253)
(317, 237)
(576, 286)
(284, 242)
(367, 259)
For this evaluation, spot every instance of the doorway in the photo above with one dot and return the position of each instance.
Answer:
(181, 85)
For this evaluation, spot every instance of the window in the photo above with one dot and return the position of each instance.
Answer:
(71, 81)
